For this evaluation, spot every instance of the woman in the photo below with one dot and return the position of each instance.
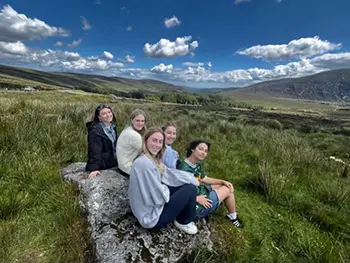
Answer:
(130, 141)
(102, 138)
(170, 156)
(211, 191)
(159, 195)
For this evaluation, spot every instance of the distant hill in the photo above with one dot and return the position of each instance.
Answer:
(333, 85)
(14, 77)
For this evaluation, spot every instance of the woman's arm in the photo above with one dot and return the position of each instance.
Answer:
(174, 177)
(94, 150)
(210, 180)
(153, 192)
(213, 181)
(135, 140)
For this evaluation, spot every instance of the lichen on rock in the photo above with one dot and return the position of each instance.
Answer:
(115, 233)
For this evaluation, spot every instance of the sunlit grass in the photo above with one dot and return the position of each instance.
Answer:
(293, 200)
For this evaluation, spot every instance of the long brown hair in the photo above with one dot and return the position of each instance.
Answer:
(100, 107)
(149, 133)
(136, 113)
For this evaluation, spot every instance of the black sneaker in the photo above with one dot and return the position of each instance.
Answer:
(235, 222)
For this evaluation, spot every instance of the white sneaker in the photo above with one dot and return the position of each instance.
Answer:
(190, 228)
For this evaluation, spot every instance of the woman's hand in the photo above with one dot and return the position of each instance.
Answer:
(201, 199)
(94, 174)
(228, 185)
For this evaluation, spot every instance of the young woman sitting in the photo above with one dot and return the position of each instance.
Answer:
(170, 156)
(159, 195)
(102, 138)
(130, 141)
(211, 191)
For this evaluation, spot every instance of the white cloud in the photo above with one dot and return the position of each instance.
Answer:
(86, 25)
(61, 60)
(300, 48)
(75, 43)
(107, 55)
(18, 27)
(193, 64)
(129, 28)
(166, 48)
(129, 59)
(196, 71)
(332, 61)
(171, 22)
(91, 65)
(15, 48)
(133, 72)
(162, 68)
(59, 44)
(278, 1)
(237, 2)
(199, 76)
(124, 9)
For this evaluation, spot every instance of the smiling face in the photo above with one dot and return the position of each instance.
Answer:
(105, 115)
(138, 122)
(155, 143)
(200, 152)
(170, 135)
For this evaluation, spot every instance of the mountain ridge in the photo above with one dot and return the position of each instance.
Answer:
(332, 85)
(68, 80)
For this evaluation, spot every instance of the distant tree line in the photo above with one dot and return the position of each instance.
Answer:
(15, 86)
(173, 97)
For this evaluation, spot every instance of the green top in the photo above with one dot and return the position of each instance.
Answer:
(197, 171)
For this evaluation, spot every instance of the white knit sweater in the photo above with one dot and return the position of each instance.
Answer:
(129, 146)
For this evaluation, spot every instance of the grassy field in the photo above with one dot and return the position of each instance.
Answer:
(293, 199)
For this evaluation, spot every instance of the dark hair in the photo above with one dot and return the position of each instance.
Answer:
(97, 112)
(193, 145)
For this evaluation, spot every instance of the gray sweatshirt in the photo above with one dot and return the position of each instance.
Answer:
(148, 191)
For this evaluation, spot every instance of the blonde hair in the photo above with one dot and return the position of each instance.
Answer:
(136, 113)
(149, 133)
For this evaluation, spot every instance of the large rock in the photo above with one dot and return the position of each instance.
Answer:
(115, 232)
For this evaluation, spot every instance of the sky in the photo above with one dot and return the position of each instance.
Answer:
(204, 44)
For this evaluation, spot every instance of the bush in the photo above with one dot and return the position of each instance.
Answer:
(273, 124)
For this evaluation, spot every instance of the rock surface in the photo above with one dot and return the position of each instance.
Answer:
(115, 232)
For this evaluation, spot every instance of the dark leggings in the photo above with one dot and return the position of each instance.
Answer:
(181, 206)
(123, 173)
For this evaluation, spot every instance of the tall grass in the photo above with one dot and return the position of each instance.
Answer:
(293, 200)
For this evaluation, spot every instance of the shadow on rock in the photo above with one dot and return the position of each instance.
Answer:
(116, 234)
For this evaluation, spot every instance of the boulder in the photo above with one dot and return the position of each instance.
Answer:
(116, 235)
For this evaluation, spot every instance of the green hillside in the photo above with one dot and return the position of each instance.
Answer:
(17, 78)
(333, 85)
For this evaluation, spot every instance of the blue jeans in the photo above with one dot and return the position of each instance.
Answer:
(202, 212)
(181, 206)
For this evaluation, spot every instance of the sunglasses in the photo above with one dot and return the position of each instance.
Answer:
(102, 106)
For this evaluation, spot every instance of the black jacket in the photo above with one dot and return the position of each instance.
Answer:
(100, 148)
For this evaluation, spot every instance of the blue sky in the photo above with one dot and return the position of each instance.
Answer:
(195, 43)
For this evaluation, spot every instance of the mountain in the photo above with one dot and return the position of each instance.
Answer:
(14, 77)
(333, 85)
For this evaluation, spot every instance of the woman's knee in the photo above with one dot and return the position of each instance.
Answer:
(190, 189)
(223, 192)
